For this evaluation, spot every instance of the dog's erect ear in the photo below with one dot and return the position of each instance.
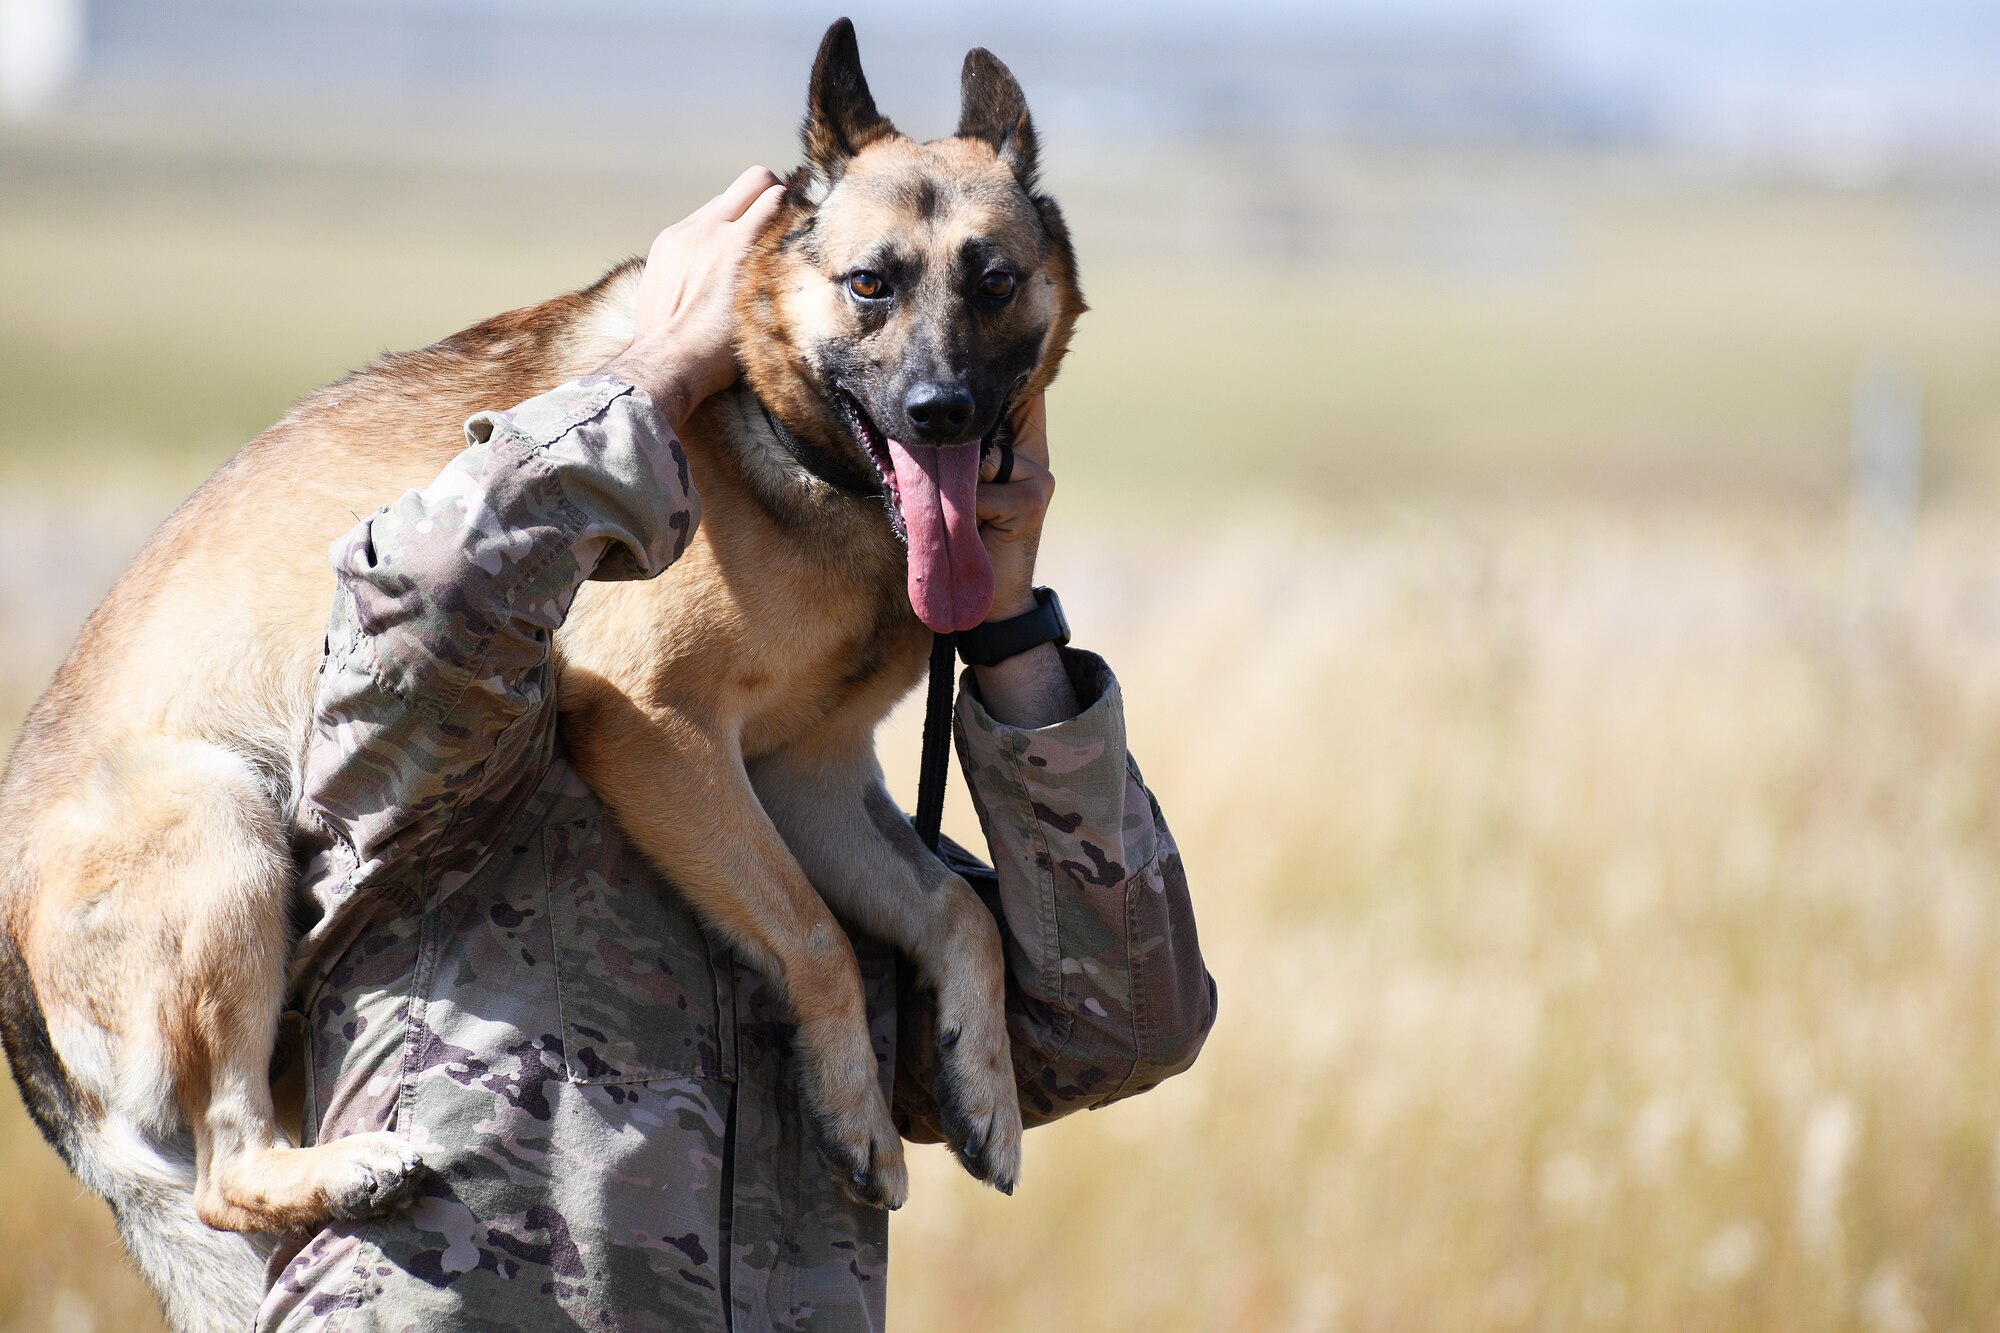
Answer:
(841, 118)
(991, 107)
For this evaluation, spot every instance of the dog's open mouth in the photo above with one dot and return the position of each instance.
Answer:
(933, 492)
(876, 446)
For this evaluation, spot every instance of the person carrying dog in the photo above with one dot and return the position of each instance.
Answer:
(604, 1096)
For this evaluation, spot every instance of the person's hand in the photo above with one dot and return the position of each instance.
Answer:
(680, 352)
(1030, 689)
(1011, 512)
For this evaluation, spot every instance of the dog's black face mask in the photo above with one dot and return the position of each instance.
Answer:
(917, 290)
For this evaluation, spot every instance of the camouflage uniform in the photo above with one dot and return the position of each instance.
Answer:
(605, 1093)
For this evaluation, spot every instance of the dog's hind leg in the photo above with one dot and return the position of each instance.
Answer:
(158, 946)
(868, 862)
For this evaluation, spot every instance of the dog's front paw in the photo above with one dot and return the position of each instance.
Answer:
(857, 1139)
(842, 1089)
(370, 1174)
(981, 1110)
(865, 1154)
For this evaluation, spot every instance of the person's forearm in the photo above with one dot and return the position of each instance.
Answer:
(670, 388)
(1107, 992)
(464, 581)
(1029, 689)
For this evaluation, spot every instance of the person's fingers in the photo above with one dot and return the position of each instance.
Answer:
(1030, 420)
(1025, 496)
(762, 209)
(742, 192)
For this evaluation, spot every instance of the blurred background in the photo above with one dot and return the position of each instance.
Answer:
(1535, 465)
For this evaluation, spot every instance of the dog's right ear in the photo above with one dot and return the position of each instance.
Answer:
(993, 109)
(841, 118)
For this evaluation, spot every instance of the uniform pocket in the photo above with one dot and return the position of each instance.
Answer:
(635, 979)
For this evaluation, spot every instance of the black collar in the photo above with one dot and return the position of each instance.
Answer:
(835, 471)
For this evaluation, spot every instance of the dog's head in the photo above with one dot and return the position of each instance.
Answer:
(905, 297)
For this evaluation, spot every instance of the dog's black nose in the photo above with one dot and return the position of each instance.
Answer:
(938, 413)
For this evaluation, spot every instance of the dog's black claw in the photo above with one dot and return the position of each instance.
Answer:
(972, 1156)
(854, 1168)
(843, 1164)
(1005, 1186)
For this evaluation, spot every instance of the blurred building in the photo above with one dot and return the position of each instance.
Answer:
(41, 48)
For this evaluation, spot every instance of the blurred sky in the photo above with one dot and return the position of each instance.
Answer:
(1837, 87)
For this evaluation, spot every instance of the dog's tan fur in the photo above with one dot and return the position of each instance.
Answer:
(724, 711)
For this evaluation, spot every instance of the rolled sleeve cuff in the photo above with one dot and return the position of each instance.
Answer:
(1066, 795)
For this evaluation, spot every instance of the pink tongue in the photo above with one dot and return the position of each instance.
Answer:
(951, 580)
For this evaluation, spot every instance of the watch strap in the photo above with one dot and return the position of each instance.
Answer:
(986, 645)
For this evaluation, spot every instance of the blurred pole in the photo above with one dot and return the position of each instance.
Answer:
(1885, 448)
(1885, 476)
(41, 46)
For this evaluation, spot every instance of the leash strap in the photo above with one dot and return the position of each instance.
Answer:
(935, 765)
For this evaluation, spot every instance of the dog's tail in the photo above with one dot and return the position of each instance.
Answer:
(206, 1279)
(45, 1087)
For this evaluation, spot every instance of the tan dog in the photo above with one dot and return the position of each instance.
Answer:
(905, 296)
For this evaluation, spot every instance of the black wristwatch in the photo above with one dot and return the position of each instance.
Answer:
(984, 645)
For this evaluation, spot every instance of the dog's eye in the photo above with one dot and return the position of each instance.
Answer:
(997, 285)
(866, 285)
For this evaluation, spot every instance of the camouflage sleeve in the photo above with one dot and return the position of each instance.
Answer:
(432, 719)
(1107, 992)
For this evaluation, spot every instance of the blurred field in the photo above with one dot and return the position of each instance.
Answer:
(1594, 831)
(1605, 919)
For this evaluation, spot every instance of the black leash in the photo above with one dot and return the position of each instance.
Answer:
(935, 765)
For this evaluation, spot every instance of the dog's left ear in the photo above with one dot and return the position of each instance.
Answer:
(841, 118)
(992, 108)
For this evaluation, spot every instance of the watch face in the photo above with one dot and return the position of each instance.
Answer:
(1056, 611)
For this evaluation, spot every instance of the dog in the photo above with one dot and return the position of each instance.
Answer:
(724, 711)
